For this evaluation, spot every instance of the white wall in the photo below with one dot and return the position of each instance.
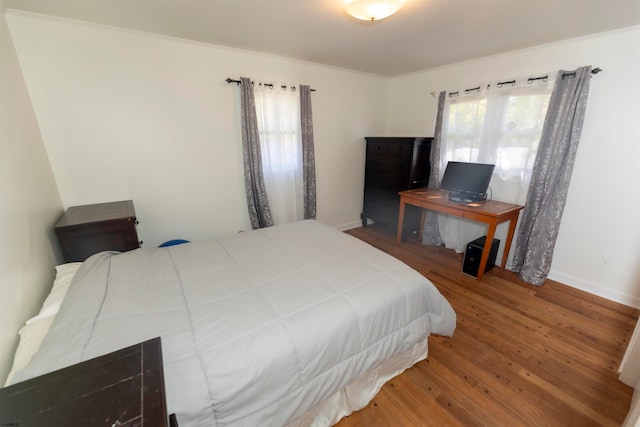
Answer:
(131, 115)
(29, 205)
(630, 365)
(127, 115)
(601, 214)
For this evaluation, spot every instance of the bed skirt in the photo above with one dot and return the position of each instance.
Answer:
(359, 392)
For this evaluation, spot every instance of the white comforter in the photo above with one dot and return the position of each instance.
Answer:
(257, 327)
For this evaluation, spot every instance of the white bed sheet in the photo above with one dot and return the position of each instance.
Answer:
(257, 328)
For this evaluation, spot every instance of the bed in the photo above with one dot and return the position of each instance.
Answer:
(297, 324)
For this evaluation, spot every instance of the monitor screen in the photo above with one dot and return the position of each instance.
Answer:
(468, 180)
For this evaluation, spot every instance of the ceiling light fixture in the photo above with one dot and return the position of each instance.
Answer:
(373, 10)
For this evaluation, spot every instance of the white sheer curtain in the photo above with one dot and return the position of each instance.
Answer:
(498, 123)
(278, 114)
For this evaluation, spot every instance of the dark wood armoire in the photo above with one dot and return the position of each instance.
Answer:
(394, 164)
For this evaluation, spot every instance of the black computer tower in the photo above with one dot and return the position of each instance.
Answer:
(473, 253)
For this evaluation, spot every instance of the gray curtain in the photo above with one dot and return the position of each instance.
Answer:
(551, 176)
(308, 154)
(431, 232)
(257, 202)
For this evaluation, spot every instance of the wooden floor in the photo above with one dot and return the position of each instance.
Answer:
(520, 356)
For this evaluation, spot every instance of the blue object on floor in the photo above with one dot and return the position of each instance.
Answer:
(173, 243)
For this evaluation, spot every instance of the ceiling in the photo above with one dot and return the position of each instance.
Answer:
(423, 34)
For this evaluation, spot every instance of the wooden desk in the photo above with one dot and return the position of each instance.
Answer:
(491, 213)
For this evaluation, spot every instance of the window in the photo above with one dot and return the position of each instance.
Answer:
(278, 114)
(500, 126)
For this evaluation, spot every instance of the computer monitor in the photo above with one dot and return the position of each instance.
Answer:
(467, 182)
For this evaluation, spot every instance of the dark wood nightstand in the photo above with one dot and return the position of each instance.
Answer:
(123, 388)
(89, 229)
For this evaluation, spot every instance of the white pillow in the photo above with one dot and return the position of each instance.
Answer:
(31, 337)
(33, 332)
(51, 305)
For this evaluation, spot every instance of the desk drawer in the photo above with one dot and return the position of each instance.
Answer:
(440, 208)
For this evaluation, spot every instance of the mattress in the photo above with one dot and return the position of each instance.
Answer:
(259, 328)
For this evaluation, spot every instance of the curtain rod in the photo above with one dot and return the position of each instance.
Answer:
(529, 80)
(230, 80)
(573, 73)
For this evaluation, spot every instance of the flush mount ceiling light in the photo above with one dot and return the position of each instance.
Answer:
(373, 10)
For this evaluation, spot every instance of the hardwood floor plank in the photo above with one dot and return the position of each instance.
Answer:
(464, 395)
(521, 355)
(589, 413)
(501, 389)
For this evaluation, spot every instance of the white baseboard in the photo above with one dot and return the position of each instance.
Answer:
(348, 226)
(594, 288)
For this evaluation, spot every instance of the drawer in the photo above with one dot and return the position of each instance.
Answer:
(400, 149)
(383, 195)
(381, 212)
(391, 182)
(374, 148)
(80, 242)
(395, 164)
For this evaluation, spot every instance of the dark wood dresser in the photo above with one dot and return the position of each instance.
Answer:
(86, 230)
(394, 164)
(124, 388)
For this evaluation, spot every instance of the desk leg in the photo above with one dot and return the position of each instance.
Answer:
(423, 215)
(487, 249)
(507, 244)
(400, 221)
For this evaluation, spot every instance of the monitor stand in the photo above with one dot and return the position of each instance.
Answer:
(461, 197)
